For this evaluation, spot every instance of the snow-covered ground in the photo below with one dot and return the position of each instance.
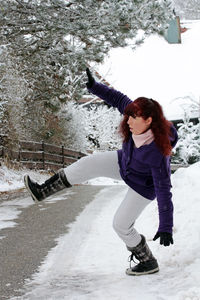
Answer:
(11, 179)
(89, 262)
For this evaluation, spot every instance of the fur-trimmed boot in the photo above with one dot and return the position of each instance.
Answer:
(51, 186)
(147, 262)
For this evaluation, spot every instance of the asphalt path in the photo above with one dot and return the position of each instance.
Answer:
(24, 246)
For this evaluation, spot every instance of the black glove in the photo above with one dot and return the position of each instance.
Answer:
(90, 79)
(165, 238)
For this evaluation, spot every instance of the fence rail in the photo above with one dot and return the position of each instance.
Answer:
(35, 155)
(175, 167)
(44, 156)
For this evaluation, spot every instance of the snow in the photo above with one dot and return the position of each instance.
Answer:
(11, 179)
(158, 70)
(89, 262)
(9, 210)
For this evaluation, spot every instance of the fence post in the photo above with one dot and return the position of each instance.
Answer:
(43, 156)
(3, 152)
(19, 153)
(63, 157)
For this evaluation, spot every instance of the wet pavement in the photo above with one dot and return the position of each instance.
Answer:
(24, 246)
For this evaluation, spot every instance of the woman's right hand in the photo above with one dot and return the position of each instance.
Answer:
(90, 79)
(165, 238)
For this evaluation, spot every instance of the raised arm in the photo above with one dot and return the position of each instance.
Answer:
(109, 95)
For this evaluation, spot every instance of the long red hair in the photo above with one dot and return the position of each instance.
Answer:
(160, 126)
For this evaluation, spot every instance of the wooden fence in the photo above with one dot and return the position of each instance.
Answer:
(40, 155)
(44, 156)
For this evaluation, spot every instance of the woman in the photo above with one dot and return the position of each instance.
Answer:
(143, 163)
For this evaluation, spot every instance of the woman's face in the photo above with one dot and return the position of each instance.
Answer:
(138, 125)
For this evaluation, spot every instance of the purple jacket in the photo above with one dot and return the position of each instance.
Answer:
(145, 169)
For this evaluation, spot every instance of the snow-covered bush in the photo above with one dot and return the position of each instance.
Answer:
(187, 150)
(93, 127)
(188, 147)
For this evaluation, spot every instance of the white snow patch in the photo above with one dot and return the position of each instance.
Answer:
(10, 210)
(11, 179)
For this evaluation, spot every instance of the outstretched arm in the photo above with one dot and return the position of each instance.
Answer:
(109, 95)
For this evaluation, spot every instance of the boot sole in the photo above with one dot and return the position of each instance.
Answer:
(28, 188)
(130, 272)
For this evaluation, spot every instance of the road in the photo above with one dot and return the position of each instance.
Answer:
(24, 246)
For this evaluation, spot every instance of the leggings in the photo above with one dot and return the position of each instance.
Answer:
(105, 164)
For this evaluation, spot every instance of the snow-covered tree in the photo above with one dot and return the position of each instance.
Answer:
(53, 41)
(92, 127)
(3, 101)
(13, 90)
(56, 39)
(187, 9)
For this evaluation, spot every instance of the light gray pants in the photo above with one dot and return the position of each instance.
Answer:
(105, 164)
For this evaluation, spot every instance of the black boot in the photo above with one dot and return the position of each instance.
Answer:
(147, 262)
(51, 186)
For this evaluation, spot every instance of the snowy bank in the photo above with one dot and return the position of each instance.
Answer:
(11, 179)
(89, 262)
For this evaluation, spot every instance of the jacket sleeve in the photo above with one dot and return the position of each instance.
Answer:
(162, 183)
(110, 96)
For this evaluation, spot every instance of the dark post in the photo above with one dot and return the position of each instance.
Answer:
(63, 157)
(3, 152)
(19, 153)
(43, 158)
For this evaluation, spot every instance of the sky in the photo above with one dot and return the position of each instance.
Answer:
(89, 261)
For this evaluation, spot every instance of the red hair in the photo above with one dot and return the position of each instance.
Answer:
(160, 126)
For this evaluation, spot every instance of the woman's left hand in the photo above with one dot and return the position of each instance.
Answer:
(165, 238)
(90, 79)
